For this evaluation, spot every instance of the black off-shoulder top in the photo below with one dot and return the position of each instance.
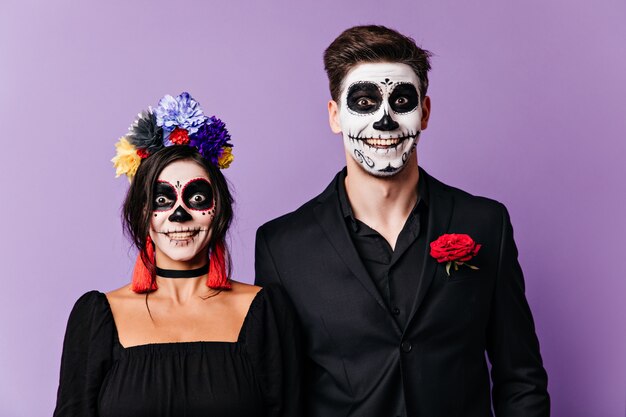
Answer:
(259, 375)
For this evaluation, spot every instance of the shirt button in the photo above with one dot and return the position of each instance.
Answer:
(395, 311)
(406, 346)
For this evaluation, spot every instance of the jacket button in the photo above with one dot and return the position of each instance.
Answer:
(395, 311)
(406, 346)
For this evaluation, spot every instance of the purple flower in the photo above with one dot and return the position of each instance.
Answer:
(210, 138)
(183, 112)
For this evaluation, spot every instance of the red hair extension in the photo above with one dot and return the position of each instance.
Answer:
(143, 278)
(218, 278)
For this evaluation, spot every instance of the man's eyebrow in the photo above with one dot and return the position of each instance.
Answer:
(363, 85)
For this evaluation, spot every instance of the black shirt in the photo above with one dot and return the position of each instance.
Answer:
(256, 376)
(395, 272)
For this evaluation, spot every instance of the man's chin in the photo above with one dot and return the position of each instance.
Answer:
(380, 170)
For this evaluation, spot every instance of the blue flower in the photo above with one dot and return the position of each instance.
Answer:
(183, 112)
(210, 138)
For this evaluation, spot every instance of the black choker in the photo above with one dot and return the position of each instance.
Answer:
(176, 273)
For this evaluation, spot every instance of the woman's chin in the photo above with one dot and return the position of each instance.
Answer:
(182, 251)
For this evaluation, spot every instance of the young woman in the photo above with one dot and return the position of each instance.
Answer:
(182, 339)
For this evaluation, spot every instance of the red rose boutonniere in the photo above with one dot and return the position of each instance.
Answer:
(454, 249)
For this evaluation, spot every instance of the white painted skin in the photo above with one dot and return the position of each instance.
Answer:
(380, 152)
(181, 245)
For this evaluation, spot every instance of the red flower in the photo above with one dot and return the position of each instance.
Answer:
(143, 153)
(455, 249)
(179, 136)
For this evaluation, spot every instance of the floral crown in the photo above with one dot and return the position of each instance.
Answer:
(175, 121)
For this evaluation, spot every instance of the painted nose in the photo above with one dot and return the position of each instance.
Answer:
(386, 123)
(180, 215)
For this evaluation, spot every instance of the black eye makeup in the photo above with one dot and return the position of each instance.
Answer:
(198, 194)
(364, 97)
(404, 98)
(164, 196)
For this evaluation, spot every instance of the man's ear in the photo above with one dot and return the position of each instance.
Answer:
(425, 112)
(333, 117)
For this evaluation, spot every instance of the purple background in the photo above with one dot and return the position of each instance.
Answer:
(528, 108)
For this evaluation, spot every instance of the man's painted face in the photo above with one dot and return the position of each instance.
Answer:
(182, 211)
(380, 116)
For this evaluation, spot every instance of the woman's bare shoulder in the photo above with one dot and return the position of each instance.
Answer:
(124, 296)
(122, 292)
(243, 294)
(243, 288)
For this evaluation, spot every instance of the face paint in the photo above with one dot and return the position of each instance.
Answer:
(182, 214)
(380, 116)
(198, 194)
(164, 196)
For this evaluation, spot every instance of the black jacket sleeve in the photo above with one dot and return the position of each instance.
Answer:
(519, 379)
(87, 356)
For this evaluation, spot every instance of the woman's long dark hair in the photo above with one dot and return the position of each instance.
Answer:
(137, 208)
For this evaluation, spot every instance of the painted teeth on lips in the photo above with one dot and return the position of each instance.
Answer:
(183, 235)
(382, 142)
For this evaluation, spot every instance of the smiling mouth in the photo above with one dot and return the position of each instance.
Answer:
(182, 234)
(380, 143)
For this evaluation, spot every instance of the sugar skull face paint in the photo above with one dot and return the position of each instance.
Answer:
(198, 194)
(183, 209)
(381, 116)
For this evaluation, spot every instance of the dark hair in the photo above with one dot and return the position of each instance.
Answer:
(136, 210)
(361, 44)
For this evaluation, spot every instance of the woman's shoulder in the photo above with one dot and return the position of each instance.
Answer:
(242, 297)
(121, 293)
(275, 295)
(91, 314)
(270, 308)
(90, 302)
(245, 290)
(257, 297)
(123, 296)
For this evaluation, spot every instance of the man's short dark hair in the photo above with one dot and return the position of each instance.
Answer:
(362, 44)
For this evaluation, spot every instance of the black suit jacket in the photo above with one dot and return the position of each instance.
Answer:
(362, 363)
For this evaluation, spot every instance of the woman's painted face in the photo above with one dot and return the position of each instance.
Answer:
(381, 116)
(182, 212)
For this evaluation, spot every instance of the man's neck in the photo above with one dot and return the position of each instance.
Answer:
(383, 203)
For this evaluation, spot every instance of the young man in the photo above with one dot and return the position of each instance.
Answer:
(401, 283)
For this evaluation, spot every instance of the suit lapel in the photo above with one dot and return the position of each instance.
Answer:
(328, 215)
(440, 209)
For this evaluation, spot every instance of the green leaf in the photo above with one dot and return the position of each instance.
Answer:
(448, 268)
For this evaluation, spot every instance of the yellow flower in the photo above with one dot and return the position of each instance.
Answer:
(226, 158)
(126, 161)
